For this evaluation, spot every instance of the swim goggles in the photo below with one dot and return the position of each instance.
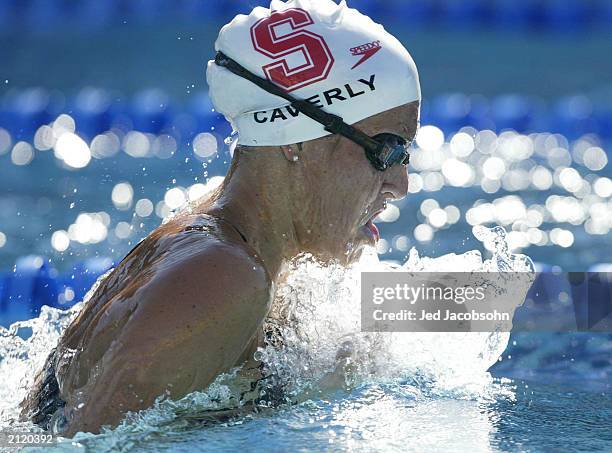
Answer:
(382, 150)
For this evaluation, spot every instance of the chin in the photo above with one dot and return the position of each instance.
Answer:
(340, 251)
(344, 247)
(355, 256)
(354, 248)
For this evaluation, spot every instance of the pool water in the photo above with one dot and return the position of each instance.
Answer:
(110, 197)
(523, 416)
(397, 392)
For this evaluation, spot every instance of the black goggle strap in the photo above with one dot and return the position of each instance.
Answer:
(331, 123)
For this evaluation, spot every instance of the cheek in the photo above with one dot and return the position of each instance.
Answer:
(355, 185)
(353, 166)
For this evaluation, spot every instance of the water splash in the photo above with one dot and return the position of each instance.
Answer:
(315, 346)
(317, 342)
(24, 347)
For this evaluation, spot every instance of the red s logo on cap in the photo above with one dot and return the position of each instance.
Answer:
(267, 41)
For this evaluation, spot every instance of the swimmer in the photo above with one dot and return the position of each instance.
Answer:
(325, 104)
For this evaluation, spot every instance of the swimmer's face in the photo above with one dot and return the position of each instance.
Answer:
(347, 192)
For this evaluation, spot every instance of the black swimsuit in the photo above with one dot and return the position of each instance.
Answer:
(48, 405)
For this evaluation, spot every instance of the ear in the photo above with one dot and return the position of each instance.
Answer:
(290, 152)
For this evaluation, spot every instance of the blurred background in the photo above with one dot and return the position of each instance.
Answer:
(106, 128)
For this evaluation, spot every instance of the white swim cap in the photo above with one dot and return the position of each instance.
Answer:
(331, 55)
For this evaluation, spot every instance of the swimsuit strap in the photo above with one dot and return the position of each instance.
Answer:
(235, 228)
(195, 227)
(199, 227)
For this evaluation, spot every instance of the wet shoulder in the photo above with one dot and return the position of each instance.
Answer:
(202, 238)
(192, 261)
(189, 247)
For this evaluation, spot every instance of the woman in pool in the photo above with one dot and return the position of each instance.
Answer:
(325, 103)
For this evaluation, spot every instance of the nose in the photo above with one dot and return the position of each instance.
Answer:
(396, 181)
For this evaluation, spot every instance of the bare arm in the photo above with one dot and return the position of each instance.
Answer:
(190, 323)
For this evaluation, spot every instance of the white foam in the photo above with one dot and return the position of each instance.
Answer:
(323, 347)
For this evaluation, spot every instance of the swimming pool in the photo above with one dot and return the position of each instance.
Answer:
(400, 392)
(548, 391)
(524, 417)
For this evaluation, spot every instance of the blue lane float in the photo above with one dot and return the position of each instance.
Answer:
(91, 110)
(31, 284)
(34, 283)
(151, 111)
(96, 111)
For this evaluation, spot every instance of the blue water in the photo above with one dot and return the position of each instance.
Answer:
(526, 416)
(547, 392)
(551, 392)
(43, 197)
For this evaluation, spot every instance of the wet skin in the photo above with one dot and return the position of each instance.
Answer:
(189, 302)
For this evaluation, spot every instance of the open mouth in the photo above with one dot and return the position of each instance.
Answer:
(370, 229)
